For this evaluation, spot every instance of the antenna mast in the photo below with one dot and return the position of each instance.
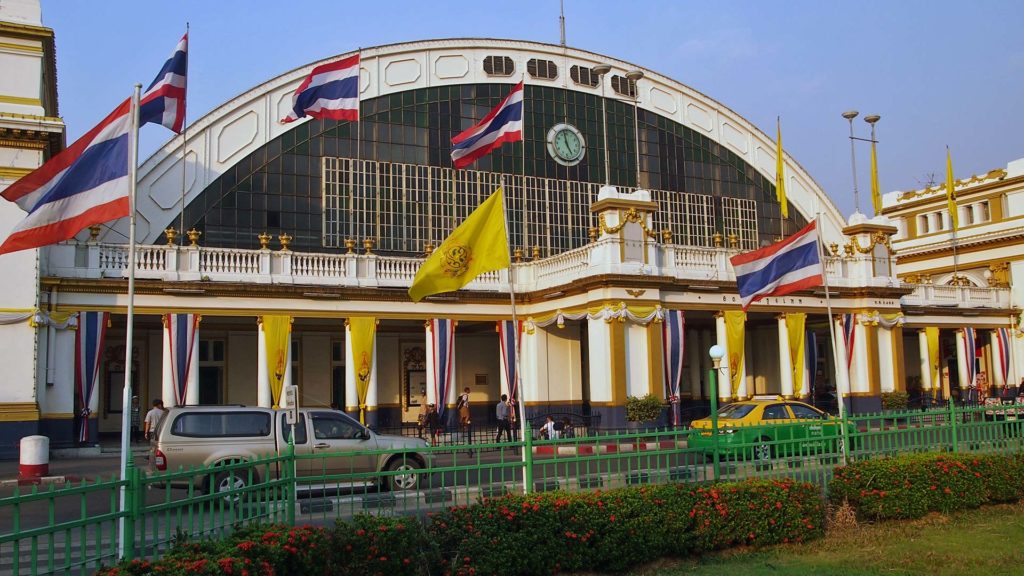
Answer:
(561, 19)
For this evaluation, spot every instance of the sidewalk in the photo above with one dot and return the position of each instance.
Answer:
(76, 469)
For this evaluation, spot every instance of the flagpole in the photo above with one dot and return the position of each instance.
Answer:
(523, 428)
(126, 395)
(184, 143)
(359, 144)
(840, 394)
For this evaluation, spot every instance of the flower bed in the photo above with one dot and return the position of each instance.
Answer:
(608, 531)
(910, 486)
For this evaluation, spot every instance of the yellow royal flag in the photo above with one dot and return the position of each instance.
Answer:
(363, 332)
(795, 322)
(780, 175)
(478, 245)
(931, 334)
(876, 194)
(276, 332)
(950, 196)
(735, 328)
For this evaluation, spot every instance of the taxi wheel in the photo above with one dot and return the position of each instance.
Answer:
(407, 477)
(764, 451)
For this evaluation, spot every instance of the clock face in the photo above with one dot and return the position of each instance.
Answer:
(566, 145)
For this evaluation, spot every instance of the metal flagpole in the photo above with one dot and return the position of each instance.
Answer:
(523, 428)
(840, 394)
(126, 395)
(358, 172)
(184, 142)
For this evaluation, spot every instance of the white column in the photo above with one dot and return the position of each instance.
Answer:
(534, 381)
(886, 365)
(192, 391)
(842, 371)
(860, 375)
(352, 370)
(287, 380)
(638, 359)
(600, 359)
(167, 393)
(785, 360)
(264, 398)
(693, 354)
(926, 362)
(997, 359)
(724, 375)
(961, 359)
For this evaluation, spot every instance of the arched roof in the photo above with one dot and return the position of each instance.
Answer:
(232, 131)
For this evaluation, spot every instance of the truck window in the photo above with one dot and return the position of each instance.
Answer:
(221, 424)
(300, 428)
(334, 427)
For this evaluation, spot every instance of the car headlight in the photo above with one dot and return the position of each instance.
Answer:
(728, 430)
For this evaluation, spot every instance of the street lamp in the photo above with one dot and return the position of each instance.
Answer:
(850, 115)
(717, 352)
(601, 70)
(635, 76)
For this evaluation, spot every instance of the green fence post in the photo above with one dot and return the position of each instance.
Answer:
(292, 486)
(527, 461)
(952, 421)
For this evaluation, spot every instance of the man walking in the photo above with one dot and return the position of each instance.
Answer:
(501, 411)
(153, 418)
(462, 406)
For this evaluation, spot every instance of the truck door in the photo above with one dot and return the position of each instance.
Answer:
(336, 439)
(302, 445)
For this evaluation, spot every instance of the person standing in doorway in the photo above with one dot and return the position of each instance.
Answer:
(462, 406)
(153, 418)
(421, 420)
(501, 412)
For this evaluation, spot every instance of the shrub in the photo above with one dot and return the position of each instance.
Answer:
(910, 486)
(382, 545)
(895, 400)
(644, 408)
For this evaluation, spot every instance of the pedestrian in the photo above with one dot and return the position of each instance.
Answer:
(462, 405)
(547, 431)
(421, 420)
(433, 423)
(501, 411)
(513, 418)
(153, 418)
(567, 430)
(136, 419)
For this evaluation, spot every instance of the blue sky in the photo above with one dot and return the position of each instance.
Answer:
(939, 72)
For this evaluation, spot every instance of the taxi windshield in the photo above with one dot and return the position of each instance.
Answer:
(735, 411)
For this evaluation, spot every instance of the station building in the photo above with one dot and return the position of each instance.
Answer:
(323, 221)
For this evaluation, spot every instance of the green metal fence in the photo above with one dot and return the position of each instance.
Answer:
(74, 529)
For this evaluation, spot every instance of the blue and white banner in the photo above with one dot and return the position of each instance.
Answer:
(811, 360)
(92, 326)
(1003, 338)
(442, 334)
(182, 333)
(510, 341)
(673, 338)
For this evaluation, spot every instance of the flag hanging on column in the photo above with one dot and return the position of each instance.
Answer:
(795, 324)
(92, 326)
(673, 339)
(970, 351)
(931, 334)
(849, 334)
(277, 336)
(510, 340)
(442, 334)
(1003, 338)
(181, 338)
(812, 360)
(735, 336)
(363, 332)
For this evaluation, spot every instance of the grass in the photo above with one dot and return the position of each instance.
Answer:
(989, 540)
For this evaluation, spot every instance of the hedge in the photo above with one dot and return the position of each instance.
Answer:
(610, 531)
(910, 486)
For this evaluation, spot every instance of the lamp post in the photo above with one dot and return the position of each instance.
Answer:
(601, 70)
(717, 352)
(635, 76)
(850, 115)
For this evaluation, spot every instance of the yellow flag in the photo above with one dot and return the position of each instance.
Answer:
(876, 194)
(780, 176)
(735, 328)
(478, 245)
(795, 322)
(934, 360)
(276, 332)
(362, 331)
(950, 196)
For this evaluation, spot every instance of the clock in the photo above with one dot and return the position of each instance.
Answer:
(566, 145)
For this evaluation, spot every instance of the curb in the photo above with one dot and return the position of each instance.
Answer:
(591, 449)
(38, 481)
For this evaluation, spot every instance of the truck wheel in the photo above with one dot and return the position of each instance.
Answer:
(230, 481)
(407, 477)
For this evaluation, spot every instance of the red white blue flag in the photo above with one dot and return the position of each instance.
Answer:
(182, 330)
(330, 91)
(85, 184)
(1003, 338)
(779, 269)
(442, 333)
(673, 340)
(503, 124)
(164, 101)
(509, 340)
(849, 336)
(92, 326)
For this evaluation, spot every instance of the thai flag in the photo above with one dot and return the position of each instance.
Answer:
(330, 91)
(673, 343)
(783, 267)
(164, 101)
(92, 326)
(85, 184)
(442, 332)
(182, 330)
(503, 124)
